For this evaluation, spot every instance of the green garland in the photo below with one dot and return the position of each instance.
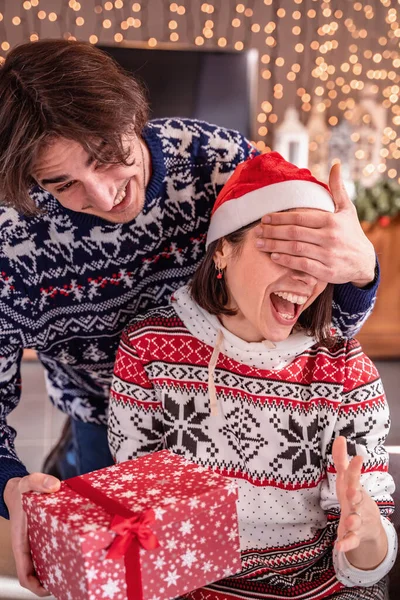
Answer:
(380, 202)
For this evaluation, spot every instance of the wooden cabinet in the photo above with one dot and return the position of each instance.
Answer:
(380, 335)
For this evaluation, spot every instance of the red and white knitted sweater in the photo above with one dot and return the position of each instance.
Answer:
(279, 410)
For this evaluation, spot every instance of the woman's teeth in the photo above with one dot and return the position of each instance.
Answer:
(286, 316)
(292, 298)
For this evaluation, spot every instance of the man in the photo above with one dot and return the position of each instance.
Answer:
(104, 216)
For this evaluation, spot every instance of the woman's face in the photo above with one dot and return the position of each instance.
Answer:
(268, 298)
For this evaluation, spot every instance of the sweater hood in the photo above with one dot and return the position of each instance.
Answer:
(261, 355)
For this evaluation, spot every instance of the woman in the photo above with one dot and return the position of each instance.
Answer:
(243, 374)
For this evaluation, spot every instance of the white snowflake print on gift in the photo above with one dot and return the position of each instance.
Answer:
(70, 535)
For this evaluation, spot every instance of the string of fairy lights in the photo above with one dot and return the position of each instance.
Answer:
(321, 56)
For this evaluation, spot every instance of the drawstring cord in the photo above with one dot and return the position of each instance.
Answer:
(211, 369)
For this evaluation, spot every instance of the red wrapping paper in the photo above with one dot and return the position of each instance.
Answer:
(80, 548)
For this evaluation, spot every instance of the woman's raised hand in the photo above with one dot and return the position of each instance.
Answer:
(360, 532)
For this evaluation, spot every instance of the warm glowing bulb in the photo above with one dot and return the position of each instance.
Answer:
(52, 17)
(5, 46)
(239, 46)
(93, 39)
(107, 23)
(16, 21)
(199, 41)
(174, 37)
(152, 42)
(222, 42)
(118, 37)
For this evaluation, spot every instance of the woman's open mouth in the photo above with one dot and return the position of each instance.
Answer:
(286, 306)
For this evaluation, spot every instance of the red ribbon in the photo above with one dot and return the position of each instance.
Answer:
(132, 529)
(129, 530)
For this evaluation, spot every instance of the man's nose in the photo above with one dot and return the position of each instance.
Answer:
(100, 192)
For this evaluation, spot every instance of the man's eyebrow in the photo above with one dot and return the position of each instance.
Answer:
(63, 178)
(59, 179)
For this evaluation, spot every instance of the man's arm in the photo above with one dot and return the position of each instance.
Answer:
(14, 478)
(352, 306)
(12, 497)
(10, 391)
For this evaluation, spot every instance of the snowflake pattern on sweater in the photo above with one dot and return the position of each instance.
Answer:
(273, 435)
(70, 282)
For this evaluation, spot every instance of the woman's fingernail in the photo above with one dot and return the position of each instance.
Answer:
(275, 256)
(260, 243)
(259, 230)
(266, 219)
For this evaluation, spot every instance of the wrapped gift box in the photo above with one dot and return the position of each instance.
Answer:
(153, 528)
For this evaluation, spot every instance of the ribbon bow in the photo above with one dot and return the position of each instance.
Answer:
(132, 531)
(128, 529)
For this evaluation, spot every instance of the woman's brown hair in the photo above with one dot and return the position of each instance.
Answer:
(212, 294)
(68, 89)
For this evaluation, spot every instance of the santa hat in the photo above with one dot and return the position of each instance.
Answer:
(263, 185)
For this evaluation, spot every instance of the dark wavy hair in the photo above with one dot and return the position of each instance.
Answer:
(212, 294)
(68, 89)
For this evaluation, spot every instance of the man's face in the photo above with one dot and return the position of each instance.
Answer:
(113, 192)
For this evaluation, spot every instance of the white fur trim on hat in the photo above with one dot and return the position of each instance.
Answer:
(234, 214)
